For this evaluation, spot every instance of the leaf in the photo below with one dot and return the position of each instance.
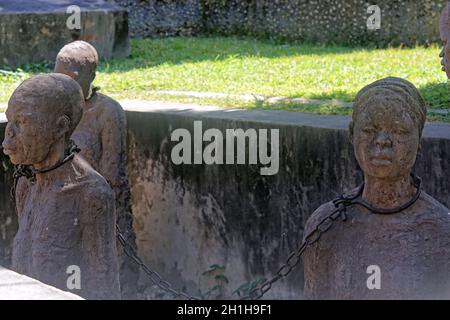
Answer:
(222, 278)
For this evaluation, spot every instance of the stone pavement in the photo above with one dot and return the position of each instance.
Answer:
(14, 286)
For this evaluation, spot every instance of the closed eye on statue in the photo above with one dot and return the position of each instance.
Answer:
(401, 131)
(25, 118)
(369, 130)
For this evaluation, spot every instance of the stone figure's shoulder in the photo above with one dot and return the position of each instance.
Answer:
(433, 220)
(96, 183)
(318, 215)
(98, 199)
(88, 185)
(109, 107)
(434, 209)
(322, 212)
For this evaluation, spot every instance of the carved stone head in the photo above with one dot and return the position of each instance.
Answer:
(444, 28)
(42, 112)
(387, 123)
(79, 61)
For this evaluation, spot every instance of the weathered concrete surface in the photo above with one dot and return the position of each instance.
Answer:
(34, 31)
(328, 21)
(15, 286)
(189, 217)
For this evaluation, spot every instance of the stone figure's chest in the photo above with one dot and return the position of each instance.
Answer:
(46, 221)
(396, 250)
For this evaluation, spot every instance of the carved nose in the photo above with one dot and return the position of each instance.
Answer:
(442, 54)
(9, 134)
(6, 143)
(383, 140)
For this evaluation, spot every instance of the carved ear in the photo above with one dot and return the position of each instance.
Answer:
(63, 125)
(350, 131)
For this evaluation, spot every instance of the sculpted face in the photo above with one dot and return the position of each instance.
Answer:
(445, 55)
(28, 135)
(42, 113)
(444, 28)
(84, 76)
(386, 139)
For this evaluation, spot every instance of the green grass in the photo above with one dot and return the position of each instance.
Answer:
(244, 66)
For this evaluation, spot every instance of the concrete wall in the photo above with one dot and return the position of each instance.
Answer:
(189, 217)
(34, 31)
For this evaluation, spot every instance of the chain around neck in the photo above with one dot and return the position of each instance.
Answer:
(356, 199)
(29, 171)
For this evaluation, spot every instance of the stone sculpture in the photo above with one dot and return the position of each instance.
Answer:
(101, 136)
(67, 215)
(390, 240)
(444, 28)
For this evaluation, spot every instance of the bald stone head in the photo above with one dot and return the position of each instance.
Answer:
(444, 29)
(79, 61)
(387, 123)
(43, 111)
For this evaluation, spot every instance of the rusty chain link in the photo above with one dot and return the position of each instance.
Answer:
(341, 203)
(295, 257)
(256, 293)
(153, 275)
(292, 261)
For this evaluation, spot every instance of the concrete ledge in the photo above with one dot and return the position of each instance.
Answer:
(14, 286)
(433, 129)
(38, 6)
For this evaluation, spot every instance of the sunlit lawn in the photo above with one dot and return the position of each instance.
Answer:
(242, 66)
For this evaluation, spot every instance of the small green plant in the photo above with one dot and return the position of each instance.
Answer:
(247, 287)
(216, 272)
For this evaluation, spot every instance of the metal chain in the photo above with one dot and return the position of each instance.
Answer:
(341, 204)
(257, 293)
(291, 262)
(153, 275)
(294, 258)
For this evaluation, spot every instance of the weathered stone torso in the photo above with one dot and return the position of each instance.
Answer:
(411, 248)
(99, 115)
(101, 136)
(39, 237)
(69, 223)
